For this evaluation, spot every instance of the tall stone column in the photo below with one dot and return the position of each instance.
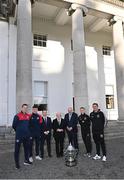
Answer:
(24, 54)
(79, 57)
(118, 43)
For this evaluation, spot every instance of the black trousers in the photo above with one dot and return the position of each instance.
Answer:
(73, 139)
(87, 141)
(46, 138)
(59, 143)
(100, 143)
(35, 139)
(18, 142)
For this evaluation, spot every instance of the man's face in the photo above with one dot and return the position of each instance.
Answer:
(95, 108)
(44, 113)
(35, 110)
(82, 111)
(70, 110)
(25, 109)
(58, 115)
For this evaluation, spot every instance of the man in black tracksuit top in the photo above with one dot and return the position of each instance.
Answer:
(84, 121)
(35, 129)
(98, 121)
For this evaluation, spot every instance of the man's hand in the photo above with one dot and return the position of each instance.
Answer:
(69, 128)
(59, 130)
(46, 132)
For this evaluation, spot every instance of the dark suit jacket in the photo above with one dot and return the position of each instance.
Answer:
(72, 122)
(46, 127)
(56, 126)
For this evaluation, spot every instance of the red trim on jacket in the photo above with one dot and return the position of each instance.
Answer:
(23, 116)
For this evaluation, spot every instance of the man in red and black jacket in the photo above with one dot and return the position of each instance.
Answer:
(35, 129)
(21, 127)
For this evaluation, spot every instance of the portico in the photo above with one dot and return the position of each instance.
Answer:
(80, 69)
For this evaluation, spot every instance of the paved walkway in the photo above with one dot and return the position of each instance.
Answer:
(54, 168)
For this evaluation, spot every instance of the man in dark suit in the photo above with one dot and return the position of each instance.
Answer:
(59, 134)
(46, 128)
(71, 119)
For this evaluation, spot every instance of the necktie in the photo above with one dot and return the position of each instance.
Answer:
(70, 116)
(46, 121)
(59, 121)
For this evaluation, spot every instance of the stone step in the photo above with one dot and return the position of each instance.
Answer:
(114, 129)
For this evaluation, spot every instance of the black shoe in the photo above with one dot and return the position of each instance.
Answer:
(61, 154)
(27, 163)
(58, 155)
(50, 155)
(17, 167)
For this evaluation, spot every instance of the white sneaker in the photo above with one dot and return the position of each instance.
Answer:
(96, 157)
(104, 158)
(31, 159)
(38, 158)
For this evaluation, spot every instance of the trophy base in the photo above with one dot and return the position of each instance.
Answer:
(71, 164)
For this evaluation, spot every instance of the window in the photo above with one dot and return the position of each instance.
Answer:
(109, 101)
(40, 40)
(109, 97)
(106, 50)
(40, 94)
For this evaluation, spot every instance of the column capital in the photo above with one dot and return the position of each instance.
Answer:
(74, 7)
(114, 19)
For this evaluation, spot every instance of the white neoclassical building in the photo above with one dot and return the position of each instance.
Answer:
(60, 53)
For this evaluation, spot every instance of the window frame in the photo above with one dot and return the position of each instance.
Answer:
(106, 50)
(40, 40)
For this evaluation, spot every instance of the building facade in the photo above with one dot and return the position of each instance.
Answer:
(61, 53)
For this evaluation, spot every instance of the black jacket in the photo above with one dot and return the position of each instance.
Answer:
(56, 126)
(84, 121)
(35, 125)
(72, 122)
(46, 127)
(98, 121)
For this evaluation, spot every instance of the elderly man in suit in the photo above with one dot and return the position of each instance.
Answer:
(59, 134)
(71, 119)
(46, 128)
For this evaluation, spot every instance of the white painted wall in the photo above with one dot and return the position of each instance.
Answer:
(7, 73)
(55, 65)
(3, 72)
(12, 73)
(110, 79)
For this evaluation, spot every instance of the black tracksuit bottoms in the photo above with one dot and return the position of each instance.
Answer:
(100, 142)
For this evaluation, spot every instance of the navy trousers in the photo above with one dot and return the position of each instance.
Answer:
(35, 139)
(18, 142)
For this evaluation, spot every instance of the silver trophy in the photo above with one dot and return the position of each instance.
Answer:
(71, 156)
